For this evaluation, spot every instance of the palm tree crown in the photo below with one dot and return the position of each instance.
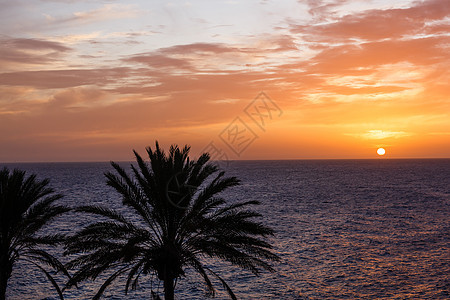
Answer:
(26, 205)
(181, 221)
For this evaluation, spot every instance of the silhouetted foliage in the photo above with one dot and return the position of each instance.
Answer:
(26, 206)
(181, 221)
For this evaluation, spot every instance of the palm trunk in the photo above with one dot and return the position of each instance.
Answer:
(5, 273)
(169, 289)
(3, 284)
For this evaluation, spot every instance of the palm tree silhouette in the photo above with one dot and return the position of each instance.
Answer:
(26, 205)
(180, 221)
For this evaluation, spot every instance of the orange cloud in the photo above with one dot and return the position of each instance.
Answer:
(29, 51)
(53, 79)
(377, 24)
(342, 81)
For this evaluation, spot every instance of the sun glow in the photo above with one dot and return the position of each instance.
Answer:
(381, 151)
(345, 86)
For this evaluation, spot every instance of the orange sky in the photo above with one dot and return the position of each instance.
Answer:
(91, 80)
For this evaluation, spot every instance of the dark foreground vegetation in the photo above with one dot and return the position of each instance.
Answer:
(179, 220)
(27, 205)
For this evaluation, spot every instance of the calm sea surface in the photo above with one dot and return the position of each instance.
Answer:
(345, 229)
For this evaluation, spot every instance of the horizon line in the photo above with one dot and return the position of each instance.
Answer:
(237, 160)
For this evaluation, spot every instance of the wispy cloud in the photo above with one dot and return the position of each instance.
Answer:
(30, 51)
(380, 134)
(350, 70)
(54, 79)
(106, 12)
(377, 24)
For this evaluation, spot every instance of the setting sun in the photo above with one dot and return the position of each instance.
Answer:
(381, 151)
(87, 80)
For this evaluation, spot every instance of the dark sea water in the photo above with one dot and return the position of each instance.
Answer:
(345, 229)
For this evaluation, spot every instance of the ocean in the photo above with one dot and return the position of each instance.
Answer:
(345, 229)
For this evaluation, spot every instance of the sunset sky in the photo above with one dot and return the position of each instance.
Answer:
(92, 80)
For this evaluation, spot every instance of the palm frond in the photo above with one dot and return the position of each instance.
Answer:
(134, 273)
(108, 282)
(50, 278)
(224, 283)
(193, 261)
